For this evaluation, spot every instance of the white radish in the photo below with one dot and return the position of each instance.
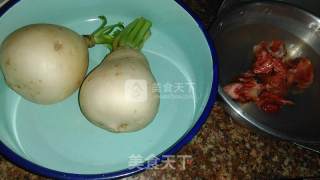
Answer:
(119, 95)
(46, 63)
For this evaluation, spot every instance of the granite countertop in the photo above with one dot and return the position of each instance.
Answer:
(222, 150)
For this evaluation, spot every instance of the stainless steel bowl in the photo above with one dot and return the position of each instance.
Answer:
(238, 31)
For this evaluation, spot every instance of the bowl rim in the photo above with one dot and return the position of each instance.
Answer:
(185, 139)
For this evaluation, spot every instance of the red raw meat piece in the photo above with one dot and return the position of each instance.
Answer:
(270, 102)
(266, 54)
(277, 49)
(276, 82)
(244, 91)
(263, 61)
(300, 74)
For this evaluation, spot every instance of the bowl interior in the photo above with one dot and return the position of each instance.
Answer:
(250, 24)
(59, 137)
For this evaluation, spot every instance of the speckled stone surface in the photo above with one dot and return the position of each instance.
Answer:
(222, 150)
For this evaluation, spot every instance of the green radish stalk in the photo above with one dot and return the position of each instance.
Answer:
(118, 95)
(46, 63)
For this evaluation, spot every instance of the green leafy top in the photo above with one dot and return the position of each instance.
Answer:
(117, 36)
